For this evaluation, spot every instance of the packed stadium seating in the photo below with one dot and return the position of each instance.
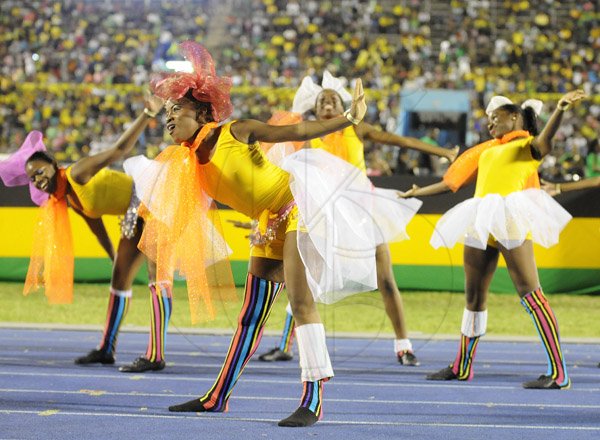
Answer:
(74, 69)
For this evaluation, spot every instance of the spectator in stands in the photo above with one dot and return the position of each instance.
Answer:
(592, 161)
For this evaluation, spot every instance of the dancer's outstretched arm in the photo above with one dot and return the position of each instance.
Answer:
(557, 188)
(543, 142)
(367, 131)
(250, 130)
(429, 190)
(84, 169)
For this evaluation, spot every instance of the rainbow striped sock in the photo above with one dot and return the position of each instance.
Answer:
(260, 294)
(462, 365)
(161, 306)
(287, 338)
(541, 313)
(312, 395)
(118, 304)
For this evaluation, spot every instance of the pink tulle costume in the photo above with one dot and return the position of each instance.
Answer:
(12, 170)
(203, 82)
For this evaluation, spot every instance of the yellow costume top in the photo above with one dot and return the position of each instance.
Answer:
(107, 193)
(344, 144)
(506, 168)
(502, 171)
(240, 176)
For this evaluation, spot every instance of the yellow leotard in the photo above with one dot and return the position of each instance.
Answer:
(107, 193)
(491, 170)
(240, 176)
(344, 144)
(506, 168)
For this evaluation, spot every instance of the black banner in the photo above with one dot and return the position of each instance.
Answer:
(584, 203)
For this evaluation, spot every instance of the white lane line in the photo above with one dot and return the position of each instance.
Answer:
(220, 418)
(98, 393)
(292, 367)
(164, 377)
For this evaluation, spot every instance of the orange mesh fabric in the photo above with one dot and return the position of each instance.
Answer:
(282, 117)
(51, 262)
(182, 233)
(464, 169)
(533, 181)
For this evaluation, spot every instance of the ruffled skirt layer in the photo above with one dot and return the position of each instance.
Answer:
(342, 219)
(510, 220)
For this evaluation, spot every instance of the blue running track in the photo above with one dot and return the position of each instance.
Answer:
(44, 395)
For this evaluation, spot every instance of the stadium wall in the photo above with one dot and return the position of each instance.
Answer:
(572, 266)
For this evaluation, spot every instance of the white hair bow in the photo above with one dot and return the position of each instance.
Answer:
(306, 95)
(498, 101)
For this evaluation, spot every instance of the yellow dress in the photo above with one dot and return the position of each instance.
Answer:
(508, 207)
(108, 192)
(340, 217)
(239, 176)
(506, 168)
(344, 144)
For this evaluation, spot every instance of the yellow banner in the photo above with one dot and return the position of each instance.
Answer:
(578, 248)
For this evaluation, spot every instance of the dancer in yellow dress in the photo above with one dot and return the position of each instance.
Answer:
(506, 216)
(92, 190)
(226, 163)
(348, 144)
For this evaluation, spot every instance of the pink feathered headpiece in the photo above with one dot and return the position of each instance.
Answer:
(204, 83)
(12, 170)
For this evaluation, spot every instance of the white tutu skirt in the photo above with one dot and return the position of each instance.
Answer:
(509, 220)
(342, 219)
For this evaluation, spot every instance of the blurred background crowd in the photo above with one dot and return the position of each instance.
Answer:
(75, 69)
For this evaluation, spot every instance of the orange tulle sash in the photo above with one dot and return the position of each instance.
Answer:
(282, 117)
(51, 262)
(182, 231)
(464, 169)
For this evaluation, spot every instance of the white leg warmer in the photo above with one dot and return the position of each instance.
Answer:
(474, 323)
(402, 345)
(122, 293)
(313, 354)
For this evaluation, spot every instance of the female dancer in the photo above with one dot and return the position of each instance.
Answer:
(508, 213)
(225, 163)
(91, 190)
(328, 102)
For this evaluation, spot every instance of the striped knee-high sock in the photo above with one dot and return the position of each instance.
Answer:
(287, 338)
(545, 322)
(462, 365)
(259, 297)
(161, 305)
(474, 325)
(312, 396)
(118, 304)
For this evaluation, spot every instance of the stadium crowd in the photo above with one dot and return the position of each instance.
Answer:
(74, 68)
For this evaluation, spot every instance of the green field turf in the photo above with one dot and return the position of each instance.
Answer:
(427, 313)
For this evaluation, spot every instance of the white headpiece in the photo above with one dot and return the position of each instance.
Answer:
(306, 95)
(498, 101)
